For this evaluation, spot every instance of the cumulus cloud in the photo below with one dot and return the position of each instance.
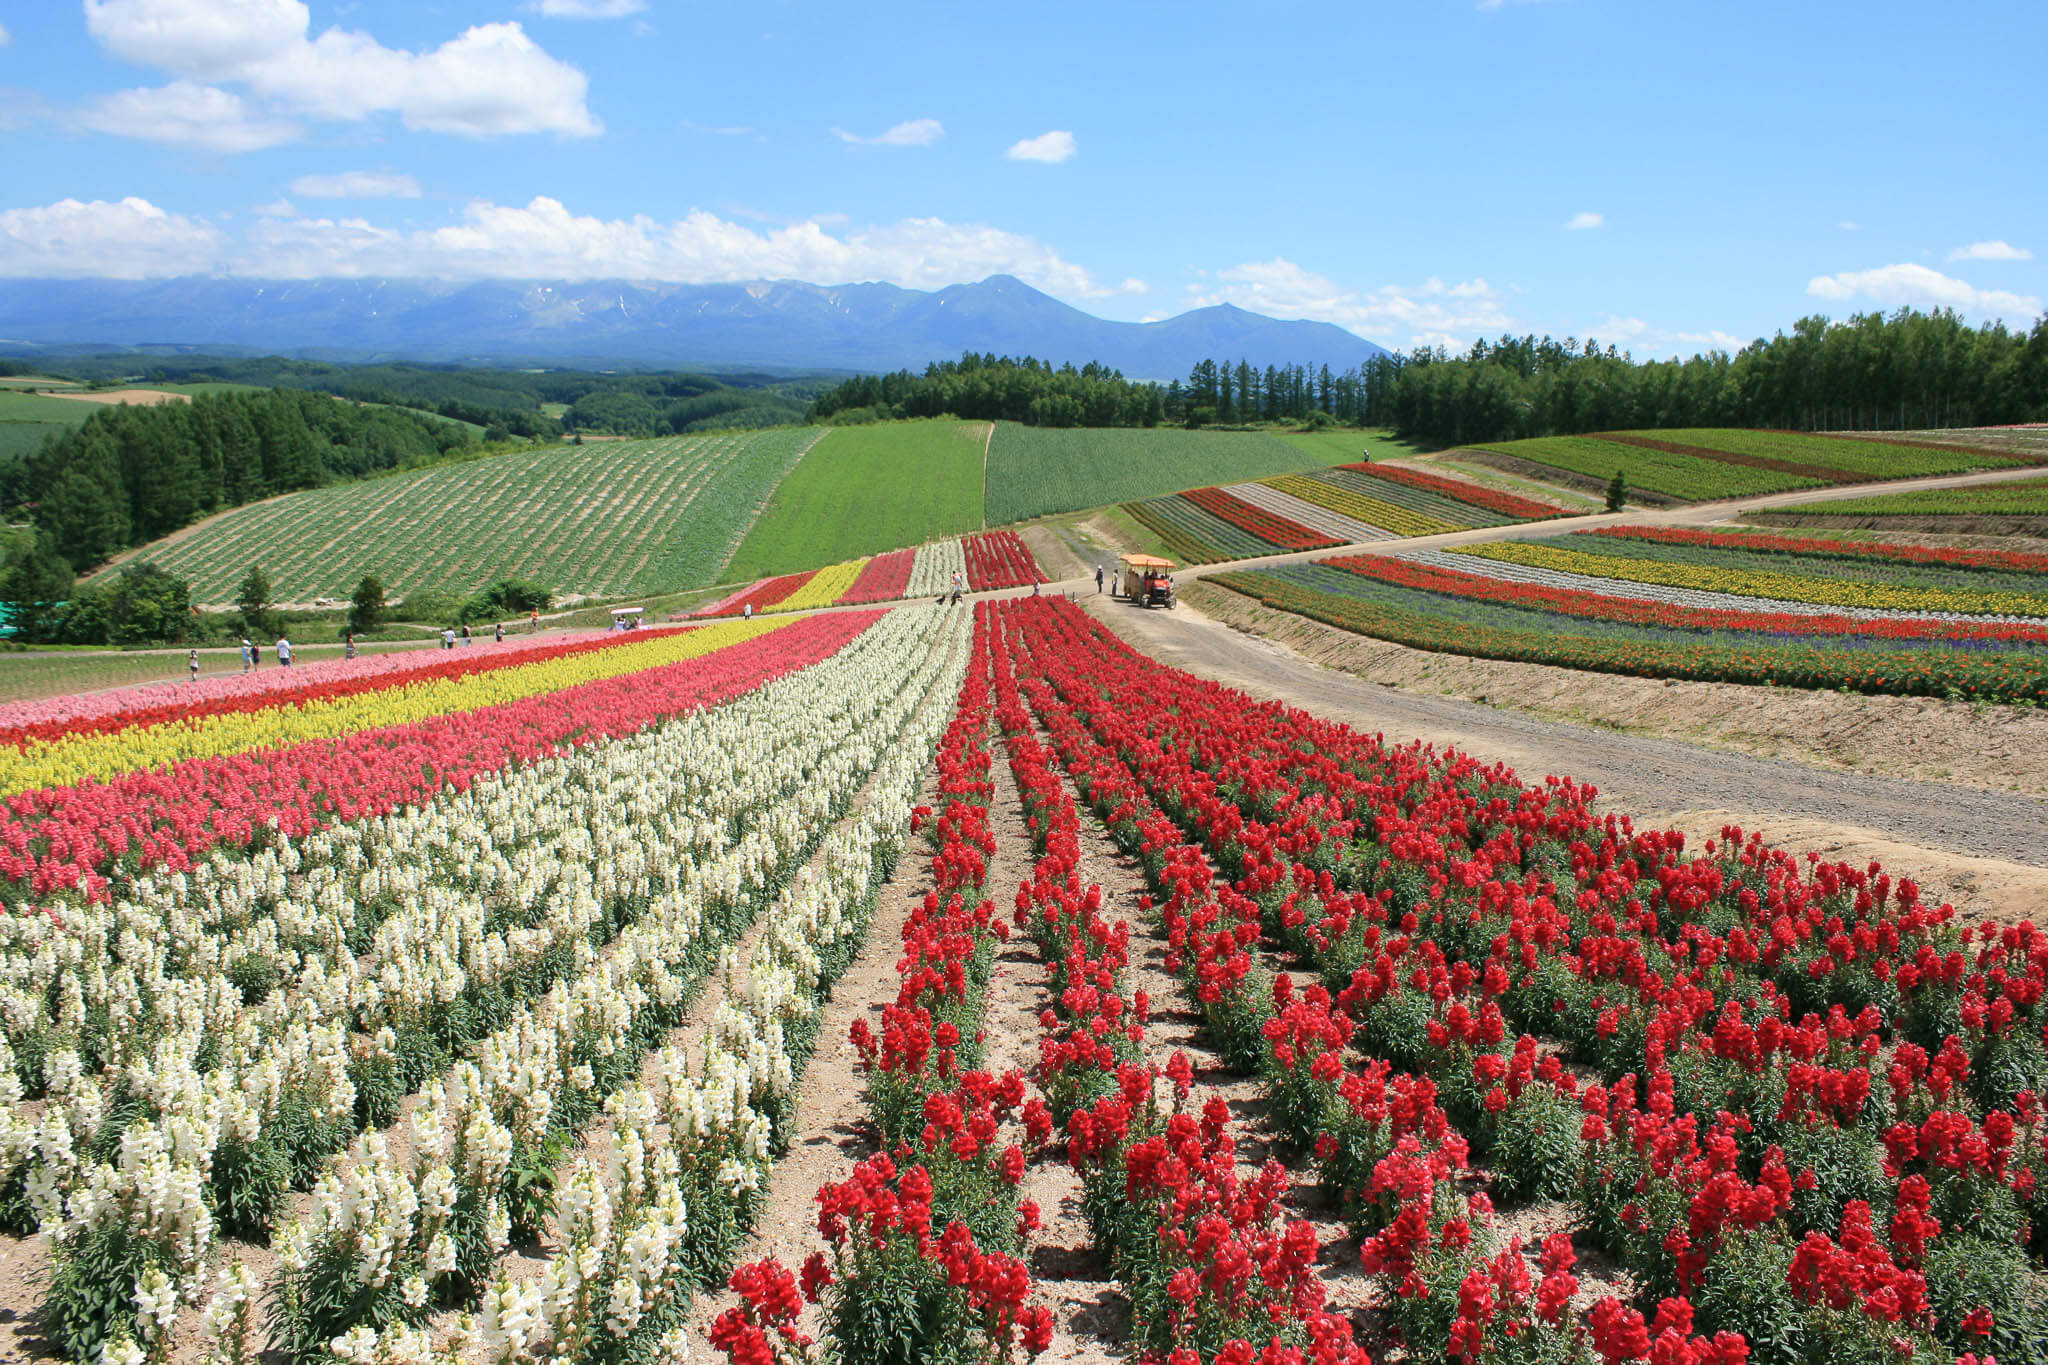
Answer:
(128, 240)
(586, 9)
(1429, 314)
(1053, 147)
(1580, 222)
(187, 114)
(917, 132)
(489, 80)
(357, 185)
(540, 240)
(1917, 286)
(1991, 251)
(1645, 341)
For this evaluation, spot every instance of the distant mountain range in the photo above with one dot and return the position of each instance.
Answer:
(769, 323)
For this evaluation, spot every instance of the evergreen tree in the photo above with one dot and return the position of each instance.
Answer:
(252, 598)
(35, 584)
(366, 608)
(1617, 492)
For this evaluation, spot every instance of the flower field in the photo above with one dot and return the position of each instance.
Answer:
(461, 1008)
(1747, 607)
(1790, 1110)
(1687, 465)
(986, 560)
(1346, 505)
(602, 518)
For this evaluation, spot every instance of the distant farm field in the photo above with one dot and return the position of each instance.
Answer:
(1702, 464)
(1347, 445)
(612, 518)
(2023, 498)
(864, 489)
(1034, 471)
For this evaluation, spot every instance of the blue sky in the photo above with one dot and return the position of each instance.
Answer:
(1663, 174)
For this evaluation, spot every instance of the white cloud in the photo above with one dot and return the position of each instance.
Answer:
(1580, 222)
(542, 240)
(489, 80)
(917, 132)
(1917, 286)
(1053, 147)
(1645, 341)
(1850, 225)
(187, 114)
(1431, 313)
(1991, 251)
(277, 208)
(357, 185)
(5, 36)
(721, 130)
(129, 240)
(586, 9)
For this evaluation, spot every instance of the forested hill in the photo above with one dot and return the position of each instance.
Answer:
(1909, 370)
(131, 474)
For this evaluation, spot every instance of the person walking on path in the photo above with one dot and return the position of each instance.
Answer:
(534, 621)
(465, 635)
(498, 633)
(348, 646)
(447, 637)
(284, 652)
(1098, 580)
(248, 654)
(192, 664)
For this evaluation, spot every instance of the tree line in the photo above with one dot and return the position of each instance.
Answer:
(1872, 371)
(130, 474)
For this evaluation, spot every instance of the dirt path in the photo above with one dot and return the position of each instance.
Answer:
(1987, 851)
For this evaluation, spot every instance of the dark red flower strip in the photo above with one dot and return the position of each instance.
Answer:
(1492, 499)
(999, 559)
(882, 579)
(1407, 573)
(73, 836)
(1267, 526)
(766, 593)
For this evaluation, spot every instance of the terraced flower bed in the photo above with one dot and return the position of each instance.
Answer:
(1656, 602)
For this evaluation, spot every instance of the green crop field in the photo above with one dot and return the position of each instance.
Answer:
(1348, 446)
(29, 419)
(1689, 478)
(1033, 471)
(612, 517)
(1870, 459)
(2021, 498)
(864, 489)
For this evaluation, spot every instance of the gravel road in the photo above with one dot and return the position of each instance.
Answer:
(1634, 772)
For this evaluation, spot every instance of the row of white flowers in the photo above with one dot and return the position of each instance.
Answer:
(691, 825)
(933, 571)
(692, 1146)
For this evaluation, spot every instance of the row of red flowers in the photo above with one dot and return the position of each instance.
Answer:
(1483, 904)
(1492, 499)
(1939, 556)
(1267, 526)
(999, 559)
(882, 579)
(1408, 573)
(79, 836)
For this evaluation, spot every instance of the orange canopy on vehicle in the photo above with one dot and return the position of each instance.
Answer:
(1147, 562)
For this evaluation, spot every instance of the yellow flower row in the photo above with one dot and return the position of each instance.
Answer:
(825, 587)
(1779, 587)
(58, 763)
(1387, 516)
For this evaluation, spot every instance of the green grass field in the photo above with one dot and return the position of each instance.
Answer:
(864, 489)
(1688, 478)
(611, 517)
(1348, 446)
(1035, 471)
